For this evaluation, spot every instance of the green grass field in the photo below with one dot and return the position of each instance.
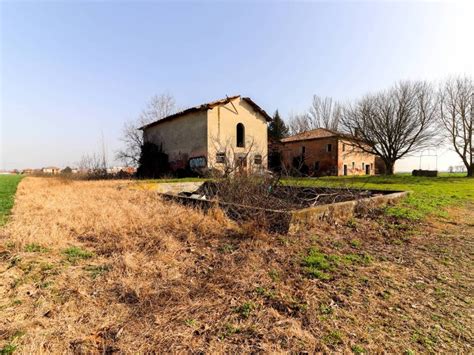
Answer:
(8, 185)
(430, 195)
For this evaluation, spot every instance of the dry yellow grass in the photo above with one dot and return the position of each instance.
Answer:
(163, 277)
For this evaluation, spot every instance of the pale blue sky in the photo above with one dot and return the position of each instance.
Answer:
(71, 70)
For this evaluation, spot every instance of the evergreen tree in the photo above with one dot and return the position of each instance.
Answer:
(277, 128)
(153, 163)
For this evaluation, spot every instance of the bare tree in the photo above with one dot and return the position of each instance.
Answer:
(299, 123)
(456, 116)
(157, 108)
(92, 166)
(393, 123)
(324, 112)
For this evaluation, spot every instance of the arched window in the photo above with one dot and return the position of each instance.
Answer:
(240, 135)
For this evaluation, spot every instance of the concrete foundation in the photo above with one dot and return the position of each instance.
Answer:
(286, 221)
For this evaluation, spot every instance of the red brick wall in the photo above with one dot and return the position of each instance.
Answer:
(330, 163)
(349, 154)
(315, 151)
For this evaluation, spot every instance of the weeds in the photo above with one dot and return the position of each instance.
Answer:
(190, 323)
(96, 270)
(73, 254)
(357, 349)
(262, 291)
(11, 347)
(227, 248)
(230, 329)
(35, 248)
(352, 223)
(333, 339)
(8, 349)
(320, 265)
(245, 309)
(385, 294)
(317, 264)
(325, 309)
(274, 275)
(427, 341)
(355, 243)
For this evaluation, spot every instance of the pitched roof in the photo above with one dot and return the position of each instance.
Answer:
(209, 106)
(313, 134)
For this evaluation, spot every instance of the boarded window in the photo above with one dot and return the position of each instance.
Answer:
(257, 160)
(240, 135)
(220, 158)
(328, 147)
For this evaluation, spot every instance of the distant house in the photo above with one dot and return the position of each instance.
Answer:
(231, 131)
(325, 152)
(52, 170)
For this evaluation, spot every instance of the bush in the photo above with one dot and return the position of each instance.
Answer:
(153, 162)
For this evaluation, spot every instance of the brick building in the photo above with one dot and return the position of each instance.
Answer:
(321, 152)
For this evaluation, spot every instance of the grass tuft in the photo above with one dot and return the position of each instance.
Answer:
(320, 265)
(35, 248)
(245, 309)
(74, 254)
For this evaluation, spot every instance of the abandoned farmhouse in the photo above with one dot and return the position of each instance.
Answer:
(325, 152)
(233, 132)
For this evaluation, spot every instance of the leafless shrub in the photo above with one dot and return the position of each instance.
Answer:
(266, 202)
(230, 160)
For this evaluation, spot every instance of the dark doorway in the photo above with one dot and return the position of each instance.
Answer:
(345, 170)
(367, 169)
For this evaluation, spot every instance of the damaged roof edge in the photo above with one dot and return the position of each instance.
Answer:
(209, 106)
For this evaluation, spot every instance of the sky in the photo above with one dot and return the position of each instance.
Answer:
(73, 72)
